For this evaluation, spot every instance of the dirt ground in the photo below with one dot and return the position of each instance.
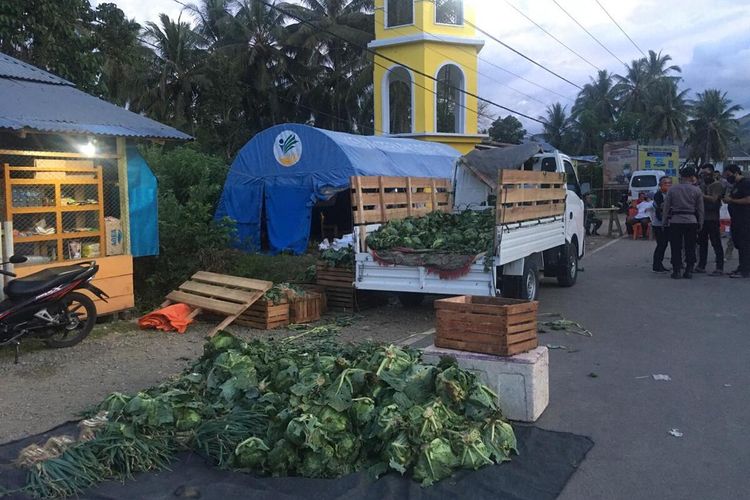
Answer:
(50, 386)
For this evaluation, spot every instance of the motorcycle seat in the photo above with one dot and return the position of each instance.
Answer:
(41, 281)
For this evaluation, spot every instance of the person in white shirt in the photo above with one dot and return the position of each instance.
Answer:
(642, 215)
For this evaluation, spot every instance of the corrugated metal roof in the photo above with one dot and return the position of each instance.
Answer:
(11, 67)
(34, 99)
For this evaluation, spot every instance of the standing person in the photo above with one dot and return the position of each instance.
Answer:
(593, 223)
(661, 233)
(683, 214)
(713, 192)
(738, 200)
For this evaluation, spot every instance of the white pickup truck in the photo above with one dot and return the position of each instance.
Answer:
(532, 242)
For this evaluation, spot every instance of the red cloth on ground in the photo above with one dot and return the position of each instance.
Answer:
(170, 318)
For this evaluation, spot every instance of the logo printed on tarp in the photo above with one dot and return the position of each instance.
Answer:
(287, 148)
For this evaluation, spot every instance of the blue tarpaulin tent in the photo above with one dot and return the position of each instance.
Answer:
(291, 167)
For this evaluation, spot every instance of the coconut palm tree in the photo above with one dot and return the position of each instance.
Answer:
(632, 89)
(212, 17)
(667, 111)
(328, 36)
(594, 113)
(656, 66)
(712, 125)
(556, 126)
(178, 56)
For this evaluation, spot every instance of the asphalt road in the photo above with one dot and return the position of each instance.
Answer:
(698, 333)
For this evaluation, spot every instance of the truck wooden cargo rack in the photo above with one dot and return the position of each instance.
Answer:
(379, 199)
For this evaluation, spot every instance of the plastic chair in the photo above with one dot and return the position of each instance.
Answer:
(638, 230)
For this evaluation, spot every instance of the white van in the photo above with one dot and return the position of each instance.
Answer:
(644, 181)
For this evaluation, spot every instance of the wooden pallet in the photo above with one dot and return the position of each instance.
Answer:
(525, 195)
(488, 325)
(326, 275)
(220, 294)
(265, 315)
(378, 199)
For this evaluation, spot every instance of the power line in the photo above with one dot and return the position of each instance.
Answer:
(545, 68)
(329, 115)
(479, 72)
(621, 29)
(553, 36)
(467, 51)
(588, 32)
(394, 61)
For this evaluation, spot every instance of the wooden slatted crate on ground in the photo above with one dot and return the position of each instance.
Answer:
(306, 308)
(326, 275)
(220, 294)
(341, 298)
(265, 315)
(488, 325)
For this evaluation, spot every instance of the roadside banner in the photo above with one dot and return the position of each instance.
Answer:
(666, 158)
(620, 161)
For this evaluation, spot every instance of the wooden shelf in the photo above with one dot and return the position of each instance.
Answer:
(52, 209)
(53, 187)
(37, 239)
(53, 182)
(34, 210)
(82, 234)
(80, 208)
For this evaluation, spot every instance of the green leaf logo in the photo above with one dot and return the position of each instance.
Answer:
(287, 148)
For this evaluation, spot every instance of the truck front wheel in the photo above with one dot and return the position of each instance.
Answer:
(567, 268)
(525, 287)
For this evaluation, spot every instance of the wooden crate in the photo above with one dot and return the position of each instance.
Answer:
(525, 195)
(326, 275)
(340, 298)
(488, 325)
(378, 199)
(265, 315)
(306, 308)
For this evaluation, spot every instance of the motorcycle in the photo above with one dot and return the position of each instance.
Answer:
(47, 305)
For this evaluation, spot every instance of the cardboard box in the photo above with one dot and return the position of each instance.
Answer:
(113, 236)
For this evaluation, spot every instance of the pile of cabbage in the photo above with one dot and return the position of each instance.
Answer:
(467, 233)
(312, 408)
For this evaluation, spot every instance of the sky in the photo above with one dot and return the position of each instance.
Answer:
(708, 39)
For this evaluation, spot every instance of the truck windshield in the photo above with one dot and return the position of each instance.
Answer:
(642, 181)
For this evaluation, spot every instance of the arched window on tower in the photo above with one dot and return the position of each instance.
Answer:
(399, 101)
(449, 100)
(449, 12)
(399, 13)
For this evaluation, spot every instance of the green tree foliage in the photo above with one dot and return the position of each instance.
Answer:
(190, 183)
(713, 125)
(52, 34)
(507, 129)
(557, 127)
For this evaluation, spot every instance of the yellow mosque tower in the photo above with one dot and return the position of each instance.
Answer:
(429, 37)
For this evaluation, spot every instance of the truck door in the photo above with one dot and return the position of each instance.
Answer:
(574, 207)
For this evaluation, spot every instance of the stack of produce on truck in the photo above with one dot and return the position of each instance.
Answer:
(446, 244)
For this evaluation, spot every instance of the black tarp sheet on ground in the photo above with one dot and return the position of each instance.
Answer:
(545, 463)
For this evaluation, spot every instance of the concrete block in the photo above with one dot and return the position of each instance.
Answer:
(521, 381)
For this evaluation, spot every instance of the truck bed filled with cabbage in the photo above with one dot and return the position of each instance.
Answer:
(312, 408)
(466, 233)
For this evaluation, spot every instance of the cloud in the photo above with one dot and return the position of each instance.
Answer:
(721, 65)
(710, 39)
